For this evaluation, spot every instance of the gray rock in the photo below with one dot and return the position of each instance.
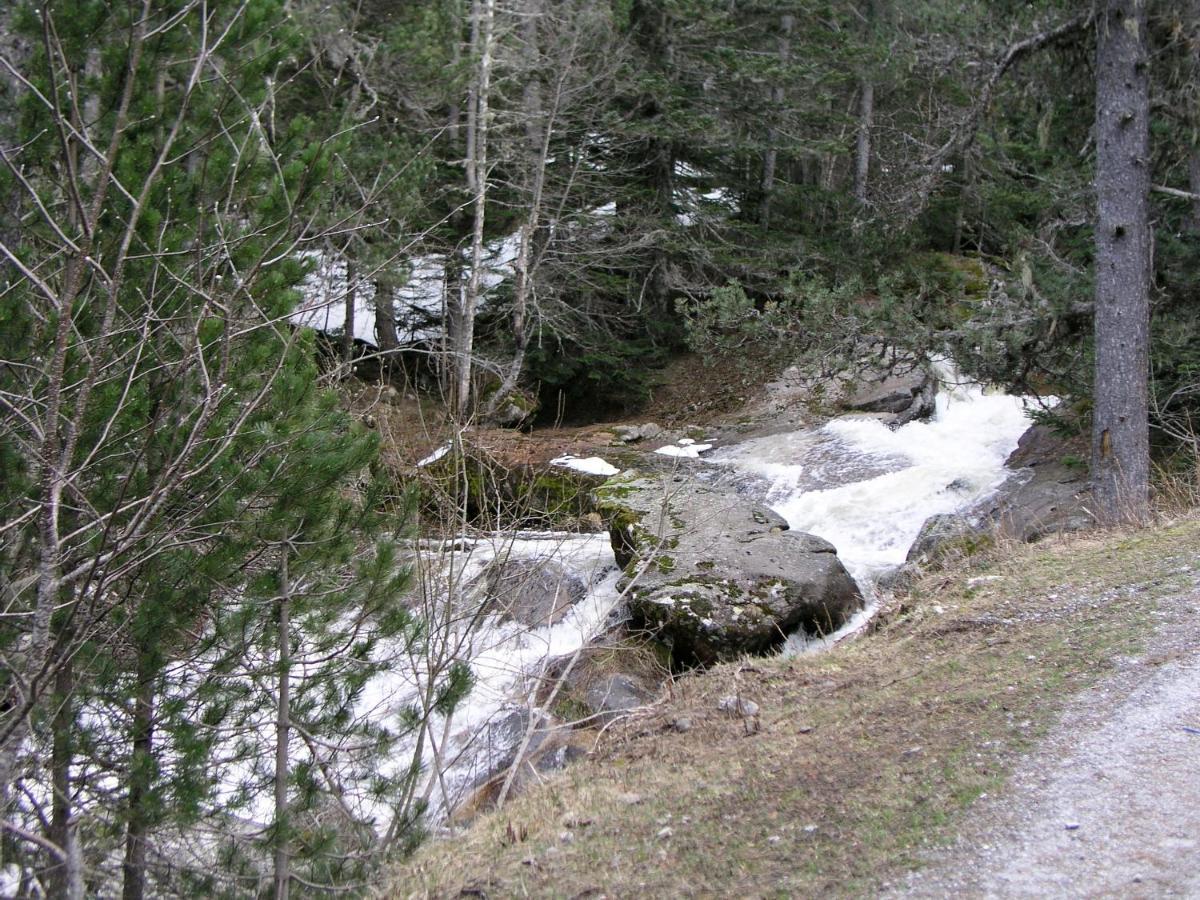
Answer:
(1048, 492)
(533, 592)
(936, 532)
(614, 695)
(717, 576)
(900, 398)
(631, 434)
(737, 706)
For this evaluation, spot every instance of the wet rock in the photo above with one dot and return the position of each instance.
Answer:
(900, 397)
(1048, 492)
(533, 592)
(715, 576)
(498, 749)
(936, 533)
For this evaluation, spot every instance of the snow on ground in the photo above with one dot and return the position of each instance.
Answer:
(435, 455)
(684, 448)
(593, 465)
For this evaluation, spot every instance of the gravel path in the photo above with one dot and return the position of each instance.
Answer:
(1109, 805)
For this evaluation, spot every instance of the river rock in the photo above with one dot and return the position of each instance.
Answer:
(936, 532)
(715, 576)
(630, 434)
(898, 398)
(497, 749)
(533, 592)
(1047, 492)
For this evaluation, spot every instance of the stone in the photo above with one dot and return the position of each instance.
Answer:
(737, 706)
(533, 592)
(615, 695)
(1047, 494)
(591, 523)
(631, 434)
(936, 532)
(715, 576)
(901, 397)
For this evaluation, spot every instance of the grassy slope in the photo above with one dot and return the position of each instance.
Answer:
(858, 758)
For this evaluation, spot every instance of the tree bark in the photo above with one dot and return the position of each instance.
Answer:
(477, 168)
(538, 130)
(771, 155)
(1120, 432)
(141, 767)
(283, 875)
(66, 875)
(348, 325)
(862, 150)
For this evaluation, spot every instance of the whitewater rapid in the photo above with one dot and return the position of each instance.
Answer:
(867, 488)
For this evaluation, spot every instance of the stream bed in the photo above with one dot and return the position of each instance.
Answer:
(855, 482)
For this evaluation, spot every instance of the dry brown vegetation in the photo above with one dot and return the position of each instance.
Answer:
(858, 759)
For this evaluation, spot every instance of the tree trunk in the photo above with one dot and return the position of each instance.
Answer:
(1194, 186)
(538, 129)
(141, 779)
(348, 325)
(862, 151)
(283, 876)
(771, 155)
(385, 325)
(66, 875)
(1120, 434)
(477, 168)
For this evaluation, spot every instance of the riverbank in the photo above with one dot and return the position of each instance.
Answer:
(854, 762)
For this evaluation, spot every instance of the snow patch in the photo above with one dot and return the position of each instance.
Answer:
(593, 465)
(435, 455)
(685, 449)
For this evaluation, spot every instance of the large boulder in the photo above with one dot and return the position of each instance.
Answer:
(715, 576)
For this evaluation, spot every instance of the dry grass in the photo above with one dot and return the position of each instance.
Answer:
(859, 757)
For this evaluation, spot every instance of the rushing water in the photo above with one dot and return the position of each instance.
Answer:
(857, 483)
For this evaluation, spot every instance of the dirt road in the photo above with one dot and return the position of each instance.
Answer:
(1109, 804)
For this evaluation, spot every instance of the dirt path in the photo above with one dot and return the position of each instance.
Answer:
(1109, 805)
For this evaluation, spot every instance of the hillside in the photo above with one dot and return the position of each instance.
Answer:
(858, 761)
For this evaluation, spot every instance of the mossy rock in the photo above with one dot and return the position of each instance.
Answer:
(713, 576)
(470, 487)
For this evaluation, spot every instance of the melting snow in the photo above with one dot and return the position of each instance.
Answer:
(685, 449)
(593, 465)
(435, 455)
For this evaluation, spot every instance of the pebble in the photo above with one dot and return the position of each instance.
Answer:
(683, 724)
(665, 833)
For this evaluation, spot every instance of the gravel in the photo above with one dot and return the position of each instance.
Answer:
(1109, 804)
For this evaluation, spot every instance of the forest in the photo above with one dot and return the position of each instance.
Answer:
(221, 220)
